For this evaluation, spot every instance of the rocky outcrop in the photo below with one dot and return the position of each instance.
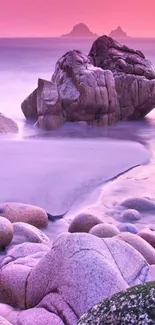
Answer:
(43, 106)
(7, 125)
(108, 54)
(80, 30)
(134, 76)
(59, 284)
(29, 106)
(87, 93)
(118, 33)
(113, 83)
(133, 306)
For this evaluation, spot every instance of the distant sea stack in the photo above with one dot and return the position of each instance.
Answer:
(80, 30)
(118, 33)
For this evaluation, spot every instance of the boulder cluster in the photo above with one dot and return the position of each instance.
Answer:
(111, 83)
(93, 274)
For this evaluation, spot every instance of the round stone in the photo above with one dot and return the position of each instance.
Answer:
(104, 230)
(20, 212)
(83, 222)
(127, 227)
(139, 204)
(140, 245)
(6, 232)
(131, 215)
(24, 232)
(148, 235)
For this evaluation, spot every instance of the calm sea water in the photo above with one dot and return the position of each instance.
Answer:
(22, 62)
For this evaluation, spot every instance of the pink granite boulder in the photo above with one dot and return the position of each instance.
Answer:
(83, 222)
(104, 230)
(20, 212)
(6, 232)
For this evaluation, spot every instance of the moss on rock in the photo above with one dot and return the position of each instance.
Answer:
(135, 305)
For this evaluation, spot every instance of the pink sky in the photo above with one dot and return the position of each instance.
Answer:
(56, 17)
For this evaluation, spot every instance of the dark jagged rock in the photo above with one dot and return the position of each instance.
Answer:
(118, 33)
(133, 306)
(134, 76)
(29, 106)
(44, 106)
(113, 83)
(80, 30)
(106, 53)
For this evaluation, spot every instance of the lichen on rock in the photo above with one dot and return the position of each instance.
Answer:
(132, 306)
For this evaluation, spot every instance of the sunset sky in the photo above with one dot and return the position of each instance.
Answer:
(56, 17)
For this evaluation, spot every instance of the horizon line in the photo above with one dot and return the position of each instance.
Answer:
(76, 37)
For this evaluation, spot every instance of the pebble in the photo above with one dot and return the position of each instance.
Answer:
(20, 212)
(140, 204)
(104, 230)
(24, 232)
(127, 227)
(130, 215)
(83, 222)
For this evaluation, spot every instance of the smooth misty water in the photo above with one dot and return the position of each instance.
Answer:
(22, 61)
(46, 175)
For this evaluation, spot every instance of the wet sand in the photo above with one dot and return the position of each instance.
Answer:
(59, 174)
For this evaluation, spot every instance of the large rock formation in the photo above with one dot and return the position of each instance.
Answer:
(106, 53)
(87, 93)
(7, 125)
(80, 30)
(134, 76)
(113, 83)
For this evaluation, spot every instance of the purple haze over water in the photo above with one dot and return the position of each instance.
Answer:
(22, 61)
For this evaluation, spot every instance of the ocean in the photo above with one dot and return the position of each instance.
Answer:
(66, 170)
(23, 61)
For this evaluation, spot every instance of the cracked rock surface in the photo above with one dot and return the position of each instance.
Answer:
(59, 284)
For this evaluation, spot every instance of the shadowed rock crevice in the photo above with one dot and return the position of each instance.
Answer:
(57, 304)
